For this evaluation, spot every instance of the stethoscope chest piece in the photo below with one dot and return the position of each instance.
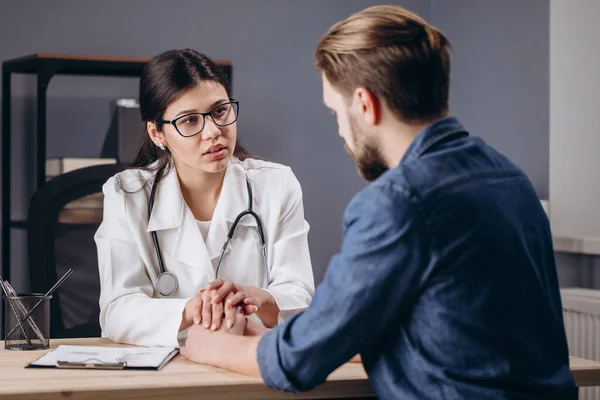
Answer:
(166, 284)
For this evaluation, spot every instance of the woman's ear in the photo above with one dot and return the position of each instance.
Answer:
(157, 137)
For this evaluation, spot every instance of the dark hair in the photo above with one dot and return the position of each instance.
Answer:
(163, 79)
(393, 53)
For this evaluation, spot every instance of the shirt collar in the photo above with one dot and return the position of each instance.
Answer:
(433, 134)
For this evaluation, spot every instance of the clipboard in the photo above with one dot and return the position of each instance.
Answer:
(105, 358)
(88, 365)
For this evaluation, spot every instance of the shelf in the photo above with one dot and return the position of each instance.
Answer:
(57, 56)
(76, 64)
(70, 217)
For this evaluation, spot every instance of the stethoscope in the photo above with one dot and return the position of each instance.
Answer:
(167, 283)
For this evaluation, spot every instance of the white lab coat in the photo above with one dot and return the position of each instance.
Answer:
(132, 311)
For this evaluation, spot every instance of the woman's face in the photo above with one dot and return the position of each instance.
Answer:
(210, 150)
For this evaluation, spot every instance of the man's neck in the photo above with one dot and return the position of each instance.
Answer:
(397, 138)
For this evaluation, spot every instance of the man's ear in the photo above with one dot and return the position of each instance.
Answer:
(156, 136)
(367, 105)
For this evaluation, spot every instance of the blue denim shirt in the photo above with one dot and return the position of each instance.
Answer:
(445, 284)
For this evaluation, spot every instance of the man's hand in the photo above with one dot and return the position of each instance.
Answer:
(201, 345)
(356, 359)
(254, 329)
(224, 348)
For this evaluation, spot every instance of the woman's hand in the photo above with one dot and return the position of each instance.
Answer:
(200, 309)
(192, 313)
(232, 316)
(235, 320)
(221, 289)
(252, 299)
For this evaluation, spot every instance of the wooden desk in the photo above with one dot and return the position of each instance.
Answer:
(585, 372)
(181, 379)
(178, 380)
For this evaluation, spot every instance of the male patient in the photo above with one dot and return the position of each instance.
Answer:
(445, 283)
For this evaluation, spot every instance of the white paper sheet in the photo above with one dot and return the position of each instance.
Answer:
(134, 357)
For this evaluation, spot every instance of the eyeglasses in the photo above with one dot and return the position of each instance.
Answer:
(192, 124)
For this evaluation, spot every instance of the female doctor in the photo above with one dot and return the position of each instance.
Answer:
(165, 260)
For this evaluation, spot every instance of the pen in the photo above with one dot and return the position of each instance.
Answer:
(52, 289)
(12, 306)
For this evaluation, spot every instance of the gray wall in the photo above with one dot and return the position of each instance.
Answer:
(574, 139)
(500, 86)
(575, 117)
(500, 76)
(270, 44)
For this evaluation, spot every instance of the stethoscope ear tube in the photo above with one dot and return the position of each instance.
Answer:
(154, 236)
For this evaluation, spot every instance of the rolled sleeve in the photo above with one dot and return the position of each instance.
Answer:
(268, 363)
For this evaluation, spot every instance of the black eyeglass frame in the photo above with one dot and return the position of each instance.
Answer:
(204, 115)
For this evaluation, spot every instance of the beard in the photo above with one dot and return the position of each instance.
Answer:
(368, 158)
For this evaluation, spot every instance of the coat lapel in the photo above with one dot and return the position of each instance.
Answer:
(175, 225)
(232, 201)
(185, 243)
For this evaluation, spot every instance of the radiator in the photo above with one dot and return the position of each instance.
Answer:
(581, 311)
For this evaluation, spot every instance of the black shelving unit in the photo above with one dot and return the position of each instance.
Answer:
(46, 66)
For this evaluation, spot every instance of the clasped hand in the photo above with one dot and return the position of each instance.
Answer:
(218, 301)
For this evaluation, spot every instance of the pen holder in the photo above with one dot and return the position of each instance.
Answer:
(27, 322)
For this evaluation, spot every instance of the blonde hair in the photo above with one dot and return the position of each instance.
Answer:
(393, 53)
